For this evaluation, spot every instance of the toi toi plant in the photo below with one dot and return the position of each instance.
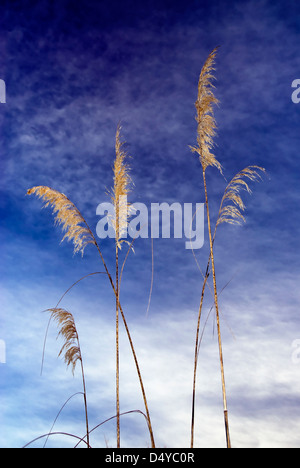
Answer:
(120, 220)
(76, 229)
(230, 209)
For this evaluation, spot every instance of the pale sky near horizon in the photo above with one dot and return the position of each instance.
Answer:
(73, 71)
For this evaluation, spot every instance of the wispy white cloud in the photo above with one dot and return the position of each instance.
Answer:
(263, 388)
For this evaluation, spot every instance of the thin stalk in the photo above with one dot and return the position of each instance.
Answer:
(196, 360)
(117, 339)
(71, 220)
(131, 346)
(127, 331)
(58, 414)
(71, 348)
(231, 205)
(217, 317)
(56, 433)
(110, 419)
(85, 399)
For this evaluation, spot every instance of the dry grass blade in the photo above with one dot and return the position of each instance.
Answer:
(232, 205)
(205, 117)
(120, 190)
(71, 348)
(67, 216)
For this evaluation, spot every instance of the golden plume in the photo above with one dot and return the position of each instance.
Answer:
(232, 205)
(120, 190)
(205, 115)
(68, 331)
(67, 216)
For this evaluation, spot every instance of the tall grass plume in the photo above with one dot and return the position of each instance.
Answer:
(119, 221)
(76, 229)
(67, 216)
(71, 349)
(231, 207)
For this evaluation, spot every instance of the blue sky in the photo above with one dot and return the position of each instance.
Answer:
(73, 71)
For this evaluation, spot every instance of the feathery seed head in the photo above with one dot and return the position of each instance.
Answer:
(67, 216)
(205, 117)
(120, 190)
(71, 348)
(232, 204)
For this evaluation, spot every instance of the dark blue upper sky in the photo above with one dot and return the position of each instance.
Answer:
(73, 71)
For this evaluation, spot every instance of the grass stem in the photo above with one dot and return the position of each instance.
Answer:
(217, 317)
